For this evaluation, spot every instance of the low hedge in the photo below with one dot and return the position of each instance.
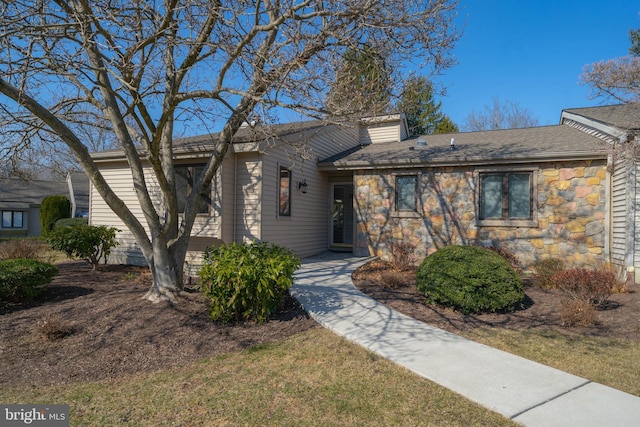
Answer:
(23, 279)
(470, 279)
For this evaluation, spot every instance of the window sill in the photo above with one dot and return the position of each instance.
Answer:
(508, 223)
(405, 214)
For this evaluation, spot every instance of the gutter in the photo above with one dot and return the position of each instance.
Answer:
(468, 161)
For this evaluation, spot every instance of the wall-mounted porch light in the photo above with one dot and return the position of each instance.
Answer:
(302, 186)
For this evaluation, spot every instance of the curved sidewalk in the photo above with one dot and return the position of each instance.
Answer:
(528, 392)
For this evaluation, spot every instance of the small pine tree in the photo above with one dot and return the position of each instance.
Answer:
(52, 209)
(423, 112)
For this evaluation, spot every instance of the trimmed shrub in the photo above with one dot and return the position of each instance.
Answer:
(591, 286)
(470, 279)
(22, 280)
(242, 282)
(403, 257)
(70, 222)
(546, 269)
(52, 209)
(578, 313)
(87, 242)
(22, 248)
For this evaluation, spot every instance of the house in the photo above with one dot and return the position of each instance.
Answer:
(565, 191)
(268, 188)
(20, 202)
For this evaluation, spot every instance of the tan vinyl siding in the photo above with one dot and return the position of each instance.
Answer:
(619, 213)
(119, 178)
(633, 232)
(380, 133)
(248, 194)
(227, 184)
(306, 231)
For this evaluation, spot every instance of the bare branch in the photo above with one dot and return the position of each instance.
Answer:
(615, 79)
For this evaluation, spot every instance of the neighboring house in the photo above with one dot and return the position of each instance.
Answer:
(553, 191)
(20, 202)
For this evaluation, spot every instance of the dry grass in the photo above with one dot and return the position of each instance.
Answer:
(613, 362)
(314, 378)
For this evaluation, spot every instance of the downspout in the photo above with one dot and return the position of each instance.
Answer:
(608, 209)
(631, 211)
(72, 196)
(632, 272)
(235, 194)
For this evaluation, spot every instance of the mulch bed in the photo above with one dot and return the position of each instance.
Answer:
(620, 318)
(112, 331)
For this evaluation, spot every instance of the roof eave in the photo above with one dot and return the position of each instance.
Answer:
(467, 161)
(621, 134)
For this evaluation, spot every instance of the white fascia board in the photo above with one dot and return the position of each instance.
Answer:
(621, 135)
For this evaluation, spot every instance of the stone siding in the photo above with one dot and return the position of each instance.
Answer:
(569, 222)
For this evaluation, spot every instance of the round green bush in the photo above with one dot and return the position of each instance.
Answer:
(470, 279)
(23, 279)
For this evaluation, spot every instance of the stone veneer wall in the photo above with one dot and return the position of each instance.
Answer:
(571, 206)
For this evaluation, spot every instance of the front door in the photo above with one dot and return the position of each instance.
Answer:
(342, 216)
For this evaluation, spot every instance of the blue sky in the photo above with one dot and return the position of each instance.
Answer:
(532, 52)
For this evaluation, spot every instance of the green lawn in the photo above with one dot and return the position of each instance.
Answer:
(314, 378)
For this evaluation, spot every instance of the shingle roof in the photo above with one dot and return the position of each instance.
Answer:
(19, 194)
(245, 134)
(623, 116)
(499, 146)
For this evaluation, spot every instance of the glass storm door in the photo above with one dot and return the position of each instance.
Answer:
(342, 215)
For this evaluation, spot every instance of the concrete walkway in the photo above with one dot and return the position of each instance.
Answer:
(527, 392)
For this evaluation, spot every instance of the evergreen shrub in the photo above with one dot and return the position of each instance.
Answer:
(88, 242)
(22, 280)
(246, 281)
(470, 279)
(52, 209)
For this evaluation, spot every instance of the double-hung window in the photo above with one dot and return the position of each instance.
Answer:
(12, 219)
(506, 196)
(186, 176)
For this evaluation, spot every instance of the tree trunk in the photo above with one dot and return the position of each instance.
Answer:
(166, 272)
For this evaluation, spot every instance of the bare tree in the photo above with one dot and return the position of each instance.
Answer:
(500, 115)
(615, 79)
(142, 66)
